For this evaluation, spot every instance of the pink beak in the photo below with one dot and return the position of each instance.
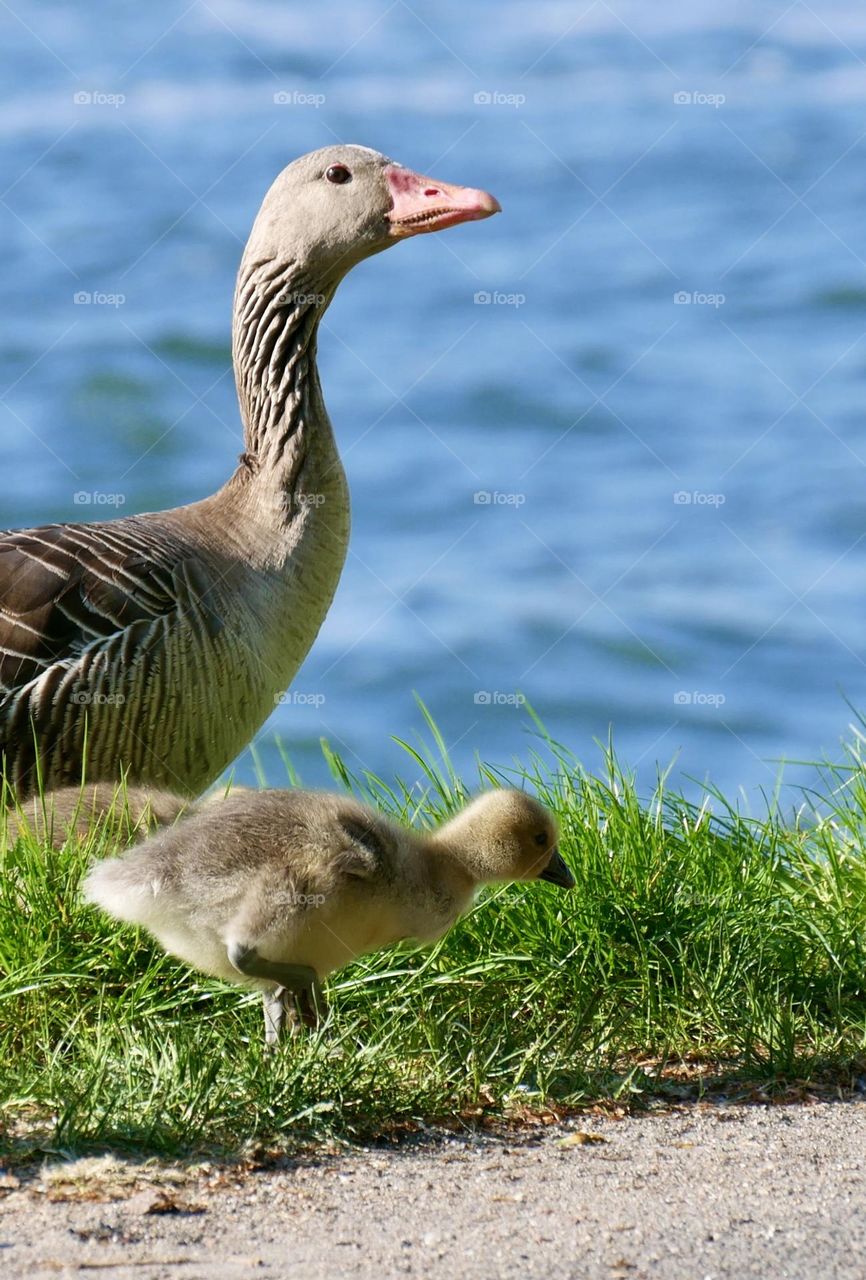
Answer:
(421, 204)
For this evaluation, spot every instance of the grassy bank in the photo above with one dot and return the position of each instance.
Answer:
(692, 933)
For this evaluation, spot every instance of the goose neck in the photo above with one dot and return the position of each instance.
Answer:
(277, 312)
(454, 863)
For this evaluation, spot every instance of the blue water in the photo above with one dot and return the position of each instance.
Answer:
(586, 402)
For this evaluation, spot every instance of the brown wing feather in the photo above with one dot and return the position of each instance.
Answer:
(77, 604)
(61, 588)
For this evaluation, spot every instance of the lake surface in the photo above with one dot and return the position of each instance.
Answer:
(663, 397)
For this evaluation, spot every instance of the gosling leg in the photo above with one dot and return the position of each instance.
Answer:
(275, 1003)
(298, 992)
(286, 1012)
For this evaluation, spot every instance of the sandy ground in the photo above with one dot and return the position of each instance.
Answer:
(699, 1194)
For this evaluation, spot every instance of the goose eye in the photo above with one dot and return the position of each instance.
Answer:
(338, 173)
(541, 838)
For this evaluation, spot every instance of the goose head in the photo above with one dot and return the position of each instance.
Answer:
(504, 836)
(332, 208)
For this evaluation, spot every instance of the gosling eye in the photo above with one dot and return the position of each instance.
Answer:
(338, 173)
(541, 838)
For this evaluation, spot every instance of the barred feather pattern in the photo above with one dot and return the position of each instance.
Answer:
(156, 645)
(278, 309)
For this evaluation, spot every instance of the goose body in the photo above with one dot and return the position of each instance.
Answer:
(155, 645)
(185, 642)
(277, 889)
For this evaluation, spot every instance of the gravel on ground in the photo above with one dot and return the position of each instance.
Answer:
(704, 1192)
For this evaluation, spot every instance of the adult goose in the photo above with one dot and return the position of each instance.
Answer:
(156, 644)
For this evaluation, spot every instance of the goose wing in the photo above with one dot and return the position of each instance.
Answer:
(64, 588)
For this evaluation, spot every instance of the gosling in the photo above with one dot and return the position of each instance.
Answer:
(127, 813)
(277, 889)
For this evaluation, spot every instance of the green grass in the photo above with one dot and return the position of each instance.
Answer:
(693, 933)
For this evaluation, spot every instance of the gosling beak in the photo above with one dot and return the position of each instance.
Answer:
(556, 872)
(420, 204)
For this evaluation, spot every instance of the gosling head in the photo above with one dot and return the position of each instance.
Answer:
(507, 835)
(330, 209)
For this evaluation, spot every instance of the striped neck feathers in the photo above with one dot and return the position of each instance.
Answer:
(276, 318)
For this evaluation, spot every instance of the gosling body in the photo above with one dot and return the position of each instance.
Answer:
(278, 889)
(127, 813)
